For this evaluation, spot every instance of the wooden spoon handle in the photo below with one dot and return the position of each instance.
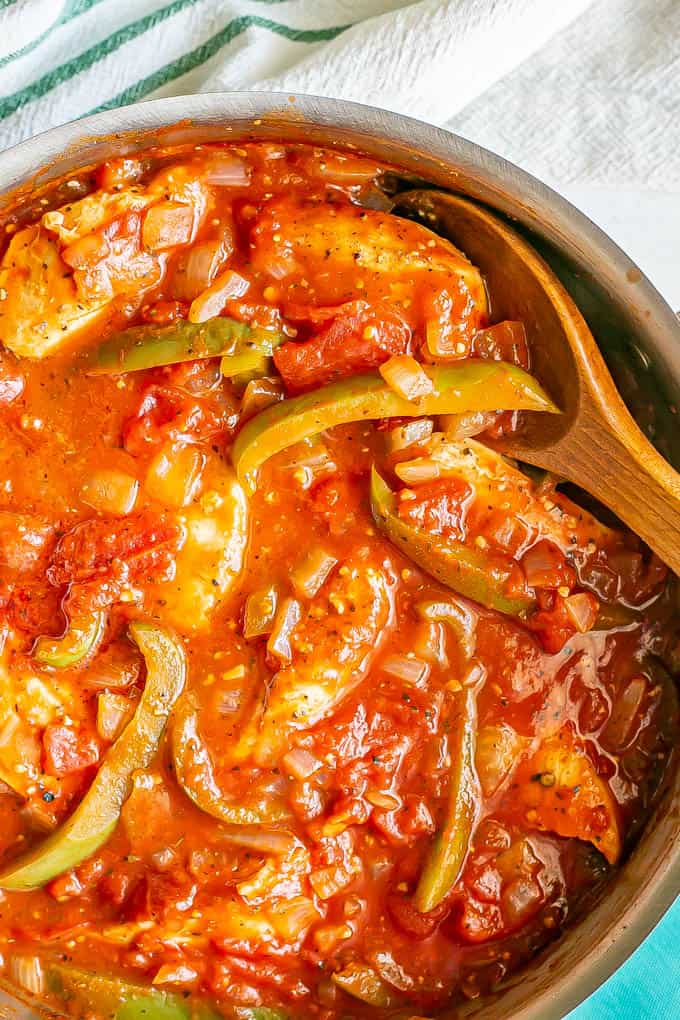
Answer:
(631, 477)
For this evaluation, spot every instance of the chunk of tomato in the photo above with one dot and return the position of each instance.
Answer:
(65, 750)
(358, 337)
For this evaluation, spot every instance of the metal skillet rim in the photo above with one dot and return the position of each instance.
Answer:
(535, 205)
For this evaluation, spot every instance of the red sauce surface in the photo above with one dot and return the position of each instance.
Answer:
(575, 712)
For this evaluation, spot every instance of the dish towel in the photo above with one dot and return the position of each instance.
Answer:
(573, 90)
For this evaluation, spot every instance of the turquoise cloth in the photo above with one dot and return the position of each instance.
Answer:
(647, 986)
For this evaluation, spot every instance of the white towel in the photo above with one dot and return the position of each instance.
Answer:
(574, 90)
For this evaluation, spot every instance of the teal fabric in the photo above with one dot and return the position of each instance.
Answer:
(647, 986)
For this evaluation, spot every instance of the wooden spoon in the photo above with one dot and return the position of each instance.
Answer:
(595, 443)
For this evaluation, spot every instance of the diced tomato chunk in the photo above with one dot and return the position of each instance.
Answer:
(506, 341)
(66, 750)
(411, 921)
(91, 547)
(361, 337)
(165, 412)
(438, 506)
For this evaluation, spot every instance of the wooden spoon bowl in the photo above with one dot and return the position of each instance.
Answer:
(595, 442)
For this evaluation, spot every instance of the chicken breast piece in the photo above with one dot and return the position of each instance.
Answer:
(40, 306)
(333, 647)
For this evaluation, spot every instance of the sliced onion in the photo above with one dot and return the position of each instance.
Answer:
(197, 269)
(262, 840)
(410, 670)
(301, 763)
(311, 573)
(413, 433)
(28, 973)
(110, 491)
(260, 612)
(415, 472)
(227, 170)
(287, 619)
(227, 286)
(626, 706)
(429, 643)
(167, 225)
(407, 377)
(113, 712)
(383, 799)
(174, 974)
(293, 916)
(463, 426)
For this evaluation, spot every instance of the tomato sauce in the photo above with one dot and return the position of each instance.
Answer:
(420, 726)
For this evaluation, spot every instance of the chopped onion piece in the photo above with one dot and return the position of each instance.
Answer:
(287, 619)
(113, 712)
(227, 170)
(411, 434)
(293, 916)
(411, 671)
(463, 426)
(582, 610)
(260, 611)
(258, 394)
(311, 573)
(110, 491)
(227, 286)
(28, 973)
(197, 269)
(168, 224)
(301, 763)
(326, 882)
(407, 377)
(415, 472)
(618, 732)
(174, 475)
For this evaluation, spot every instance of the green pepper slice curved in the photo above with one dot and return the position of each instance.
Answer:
(468, 571)
(364, 983)
(239, 345)
(96, 816)
(194, 773)
(470, 386)
(79, 642)
(116, 998)
(449, 849)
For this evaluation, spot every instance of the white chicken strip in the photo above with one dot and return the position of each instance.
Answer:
(333, 647)
(40, 306)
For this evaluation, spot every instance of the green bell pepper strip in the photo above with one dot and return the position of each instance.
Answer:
(194, 773)
(448, 851)
(95, 818)
(79, 642)
(468, 386)
(116, 998)
(469, 571)
(240, 346)
(363, 983)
